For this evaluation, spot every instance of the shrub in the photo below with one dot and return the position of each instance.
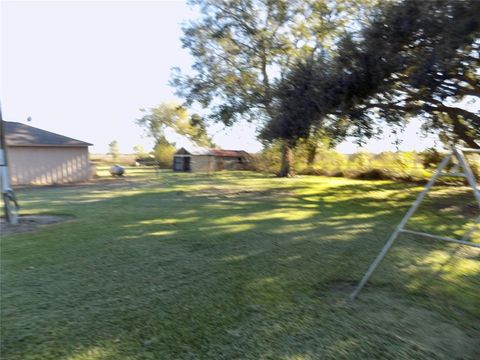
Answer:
(431, 158)
(313, 171)
(374, 174)
(399, 166)
(164, 154)
(268, 160)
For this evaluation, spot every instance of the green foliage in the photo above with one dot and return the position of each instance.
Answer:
(198, 133)
(175, 117)
(163, 153)
(475, 166)
(405, 166)
(242, 49)
(113, 150)
(398, 166)
(431, 158)
(269, 159)
(413, 58)
(360, 161)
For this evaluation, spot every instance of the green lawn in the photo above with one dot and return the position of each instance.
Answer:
(238, 265)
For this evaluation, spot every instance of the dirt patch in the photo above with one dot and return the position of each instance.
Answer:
(28, 223)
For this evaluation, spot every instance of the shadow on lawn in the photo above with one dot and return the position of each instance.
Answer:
(235, 275)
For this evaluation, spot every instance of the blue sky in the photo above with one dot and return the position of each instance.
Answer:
(85, 68)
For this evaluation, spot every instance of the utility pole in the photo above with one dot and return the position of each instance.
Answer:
(10, 204)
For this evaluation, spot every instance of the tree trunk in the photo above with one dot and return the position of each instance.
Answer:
(311, 154)
(287, 160)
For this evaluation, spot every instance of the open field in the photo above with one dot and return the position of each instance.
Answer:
(237, 265)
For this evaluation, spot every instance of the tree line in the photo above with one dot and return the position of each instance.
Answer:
(318, 71)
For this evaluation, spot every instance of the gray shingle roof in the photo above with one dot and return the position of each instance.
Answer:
(17, 134)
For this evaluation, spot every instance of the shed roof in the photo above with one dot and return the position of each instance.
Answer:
(228, 153)
(17, 134)
(211, 152)
(193, 150)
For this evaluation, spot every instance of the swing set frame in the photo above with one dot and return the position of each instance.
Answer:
(457, 153)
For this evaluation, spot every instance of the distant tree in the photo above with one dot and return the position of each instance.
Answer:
(114, 151)
(163, 152)
(243, 48)
(416, 58)
(175, 117)
(139, 151)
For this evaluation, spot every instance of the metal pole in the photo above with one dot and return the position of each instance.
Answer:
(442, 238)
(3, 160)
(400, 227)
(10, 204)
(471, 150)
(468, 173)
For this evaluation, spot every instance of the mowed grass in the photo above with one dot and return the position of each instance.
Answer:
(238, 265)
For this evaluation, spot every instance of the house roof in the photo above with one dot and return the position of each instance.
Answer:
(17, 134)
(211, 152)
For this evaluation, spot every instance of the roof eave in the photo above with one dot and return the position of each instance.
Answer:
(49, 145)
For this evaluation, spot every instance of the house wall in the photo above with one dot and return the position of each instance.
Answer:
(48, 165)
(202, 163)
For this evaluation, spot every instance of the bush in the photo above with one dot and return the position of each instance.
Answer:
(267, 161)
(374, 174)
(431, 158)
(474, 161)
(399, 166)
(164, 155)
(313, 171)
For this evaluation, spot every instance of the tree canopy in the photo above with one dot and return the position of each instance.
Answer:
(243, 48)
(413, 59)
(175, 117)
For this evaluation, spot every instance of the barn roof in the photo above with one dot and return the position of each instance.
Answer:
(17, 134)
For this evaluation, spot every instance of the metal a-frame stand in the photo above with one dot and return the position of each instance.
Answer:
(457, 153)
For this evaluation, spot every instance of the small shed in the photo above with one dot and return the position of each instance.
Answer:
(40, 157)
(205, 160)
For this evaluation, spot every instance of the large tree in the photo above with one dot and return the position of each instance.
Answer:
(173, 116)
(414, 59)
(243, 48)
